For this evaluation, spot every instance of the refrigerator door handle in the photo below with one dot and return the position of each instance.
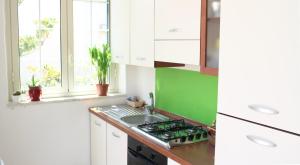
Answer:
(261, 141)
(263, 109)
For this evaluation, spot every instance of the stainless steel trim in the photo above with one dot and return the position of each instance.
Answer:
(164, 144)
(263, 109)
(261, 141)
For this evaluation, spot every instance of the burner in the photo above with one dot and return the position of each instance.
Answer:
(151, 128)
(192, 130)
(174, 132)
(167, 135)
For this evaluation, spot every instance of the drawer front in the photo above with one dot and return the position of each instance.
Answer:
(187, 52)
(239, 142)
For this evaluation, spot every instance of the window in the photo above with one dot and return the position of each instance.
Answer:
(50, 39)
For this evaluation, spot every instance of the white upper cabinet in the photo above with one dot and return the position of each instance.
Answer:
(120, 30)
(98, 141)
(116, 146)
(185, 51)
(177, 19)
(177, 31)
(259, 76)
(242, 143)
(142, 33)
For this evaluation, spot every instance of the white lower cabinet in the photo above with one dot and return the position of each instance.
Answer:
(116, 146)
(108, 144)
(98, 141)
(172, 162)
(240, 142)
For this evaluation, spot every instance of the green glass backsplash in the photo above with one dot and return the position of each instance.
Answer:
(187, 93)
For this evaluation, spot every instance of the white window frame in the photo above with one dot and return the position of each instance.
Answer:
(67, 55)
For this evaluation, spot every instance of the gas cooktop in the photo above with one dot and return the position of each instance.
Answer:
(173, 133)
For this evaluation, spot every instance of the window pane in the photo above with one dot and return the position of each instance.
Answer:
(39, 42)
(90, 21)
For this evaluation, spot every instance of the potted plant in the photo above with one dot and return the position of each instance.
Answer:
(35, 90)
(16, 96)
(101, 59)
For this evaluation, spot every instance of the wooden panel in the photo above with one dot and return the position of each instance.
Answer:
(160, 64)
(203, 44)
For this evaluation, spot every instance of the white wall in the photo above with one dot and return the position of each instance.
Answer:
(44, 134)
(53, 133)
(140, 81)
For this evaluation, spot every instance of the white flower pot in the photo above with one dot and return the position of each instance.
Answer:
(15, 99)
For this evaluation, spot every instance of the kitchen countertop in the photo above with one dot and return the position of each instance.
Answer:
(201, 153)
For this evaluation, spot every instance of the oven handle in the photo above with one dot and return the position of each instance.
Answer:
(132, 153)
(138, 158)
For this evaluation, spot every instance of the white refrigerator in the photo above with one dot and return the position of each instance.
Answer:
(258, 120)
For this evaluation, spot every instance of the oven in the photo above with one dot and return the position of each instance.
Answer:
(140, 154)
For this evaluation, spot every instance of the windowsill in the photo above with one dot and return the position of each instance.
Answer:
(65, 99)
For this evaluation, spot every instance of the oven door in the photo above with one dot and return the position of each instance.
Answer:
(135, 158)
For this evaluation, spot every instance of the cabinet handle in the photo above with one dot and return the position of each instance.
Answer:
(172, 30)
(261, 141)
(97, 124)
(263, 109)
(140, 58)
(115, 135)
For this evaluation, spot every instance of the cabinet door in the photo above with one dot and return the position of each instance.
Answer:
(239, 142)
(259, 62)
(98, 141)
(185, 51)
(116, 146)
(177, 19)
(120, 30)
(142, 33)
(172, 162)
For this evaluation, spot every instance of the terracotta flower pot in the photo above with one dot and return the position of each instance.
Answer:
(35, 93)
(102, 89)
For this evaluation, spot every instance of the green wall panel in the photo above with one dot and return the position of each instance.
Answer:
(187, 93)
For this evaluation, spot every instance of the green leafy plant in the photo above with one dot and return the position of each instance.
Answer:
(34, 82)
(20, 2)
(101, 59)
(17, 93)
(51, 76)
(29, 43)
(45, 27)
